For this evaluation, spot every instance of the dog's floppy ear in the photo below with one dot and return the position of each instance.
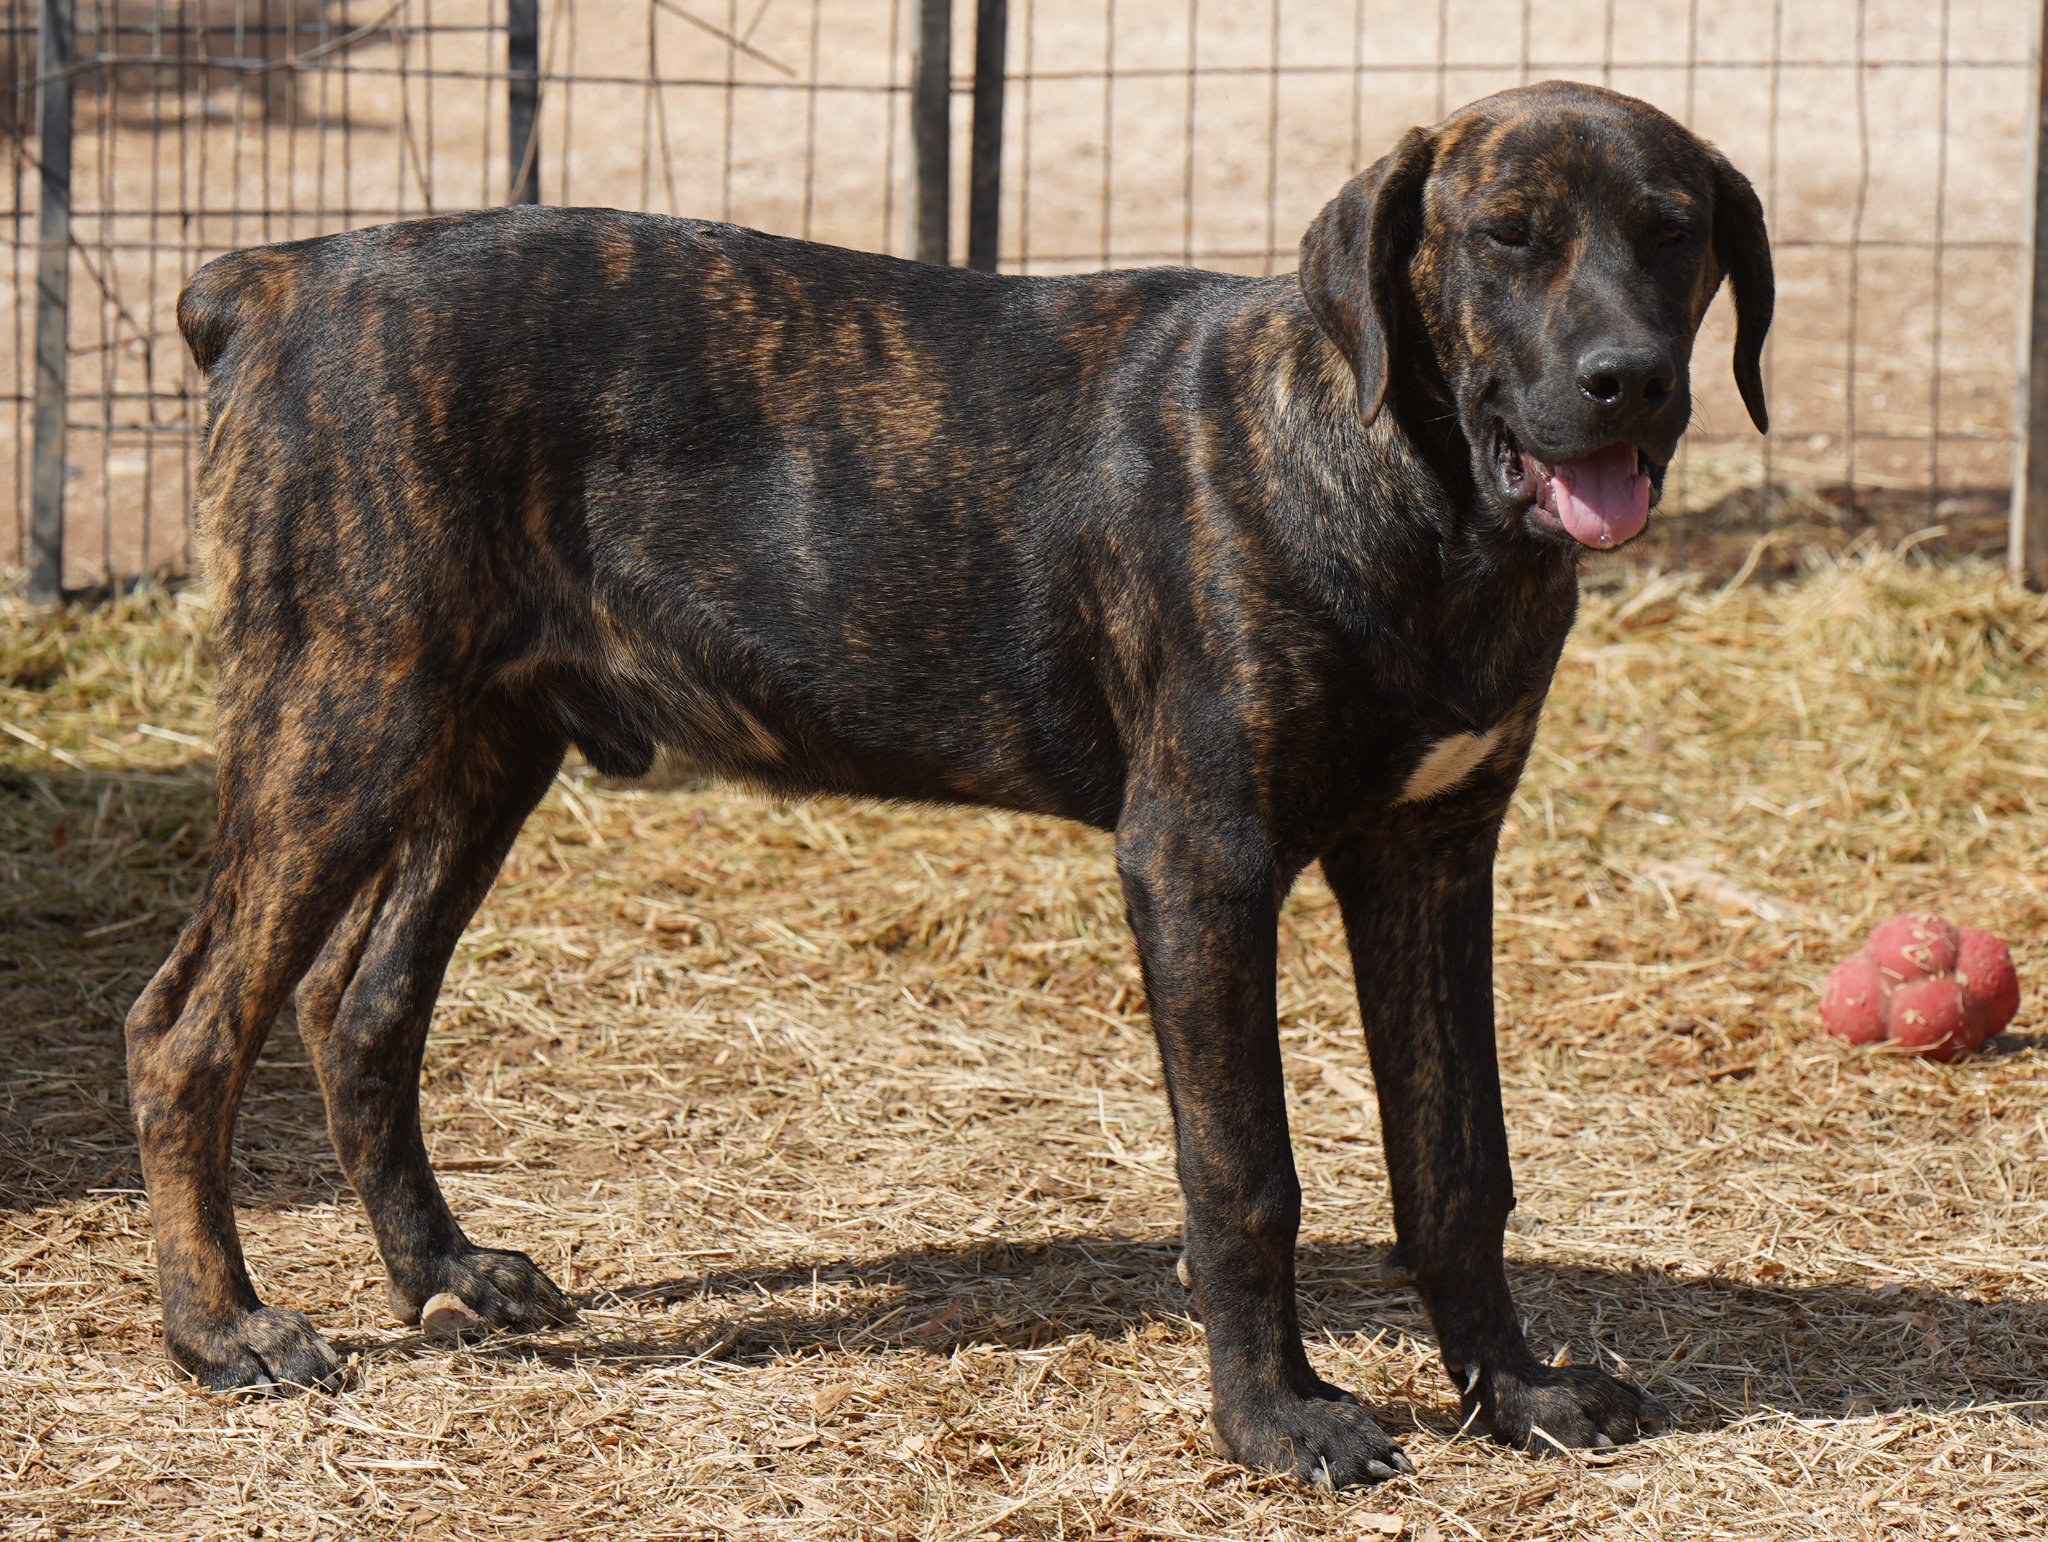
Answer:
(1743, 251)
(1351, 258)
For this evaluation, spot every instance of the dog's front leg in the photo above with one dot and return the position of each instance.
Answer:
(1204, 900)
(1418, 908)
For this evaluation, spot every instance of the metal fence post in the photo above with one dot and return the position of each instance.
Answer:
(985, 153)
(2027, 543)
(53, 294)
(522, 95)
(931, 127)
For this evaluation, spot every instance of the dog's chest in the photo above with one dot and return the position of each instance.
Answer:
(1464, 712)
(1447, 762)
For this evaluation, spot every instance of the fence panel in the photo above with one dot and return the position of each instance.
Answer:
(1888, 137)
(204, 125)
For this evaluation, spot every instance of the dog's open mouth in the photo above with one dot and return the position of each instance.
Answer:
(1599, 500)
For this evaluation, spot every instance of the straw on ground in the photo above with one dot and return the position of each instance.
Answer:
(845, 1124)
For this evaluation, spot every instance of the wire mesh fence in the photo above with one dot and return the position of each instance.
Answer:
(1889, 140)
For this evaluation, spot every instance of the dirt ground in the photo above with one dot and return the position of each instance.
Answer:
(1147, 131)
(843, 1124)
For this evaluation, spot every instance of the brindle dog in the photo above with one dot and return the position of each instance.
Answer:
(1252, 572)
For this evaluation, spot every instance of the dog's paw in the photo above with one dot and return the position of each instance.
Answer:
(1326, 1439)
(502, 1289)
(1540, 1408)
(268, 1352)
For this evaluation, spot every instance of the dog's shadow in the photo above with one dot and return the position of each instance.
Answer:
(1716, 1349)
(107, 866)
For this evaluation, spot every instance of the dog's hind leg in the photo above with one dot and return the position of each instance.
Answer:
(322, 758)
(364, 1008)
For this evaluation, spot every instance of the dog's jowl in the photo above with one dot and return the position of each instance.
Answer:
(1252, 572)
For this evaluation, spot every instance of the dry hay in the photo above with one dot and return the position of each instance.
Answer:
(845, 1124)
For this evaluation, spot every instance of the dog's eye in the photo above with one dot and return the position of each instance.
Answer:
(1511, 236)
(1673, 235)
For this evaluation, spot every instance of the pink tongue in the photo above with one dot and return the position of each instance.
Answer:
(1600, 498)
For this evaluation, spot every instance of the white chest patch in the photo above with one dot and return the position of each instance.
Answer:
(1447, 763)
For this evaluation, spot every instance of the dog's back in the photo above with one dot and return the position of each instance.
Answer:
(784, 507)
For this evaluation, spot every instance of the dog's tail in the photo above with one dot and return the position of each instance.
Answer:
(206, 310)
(219, 296)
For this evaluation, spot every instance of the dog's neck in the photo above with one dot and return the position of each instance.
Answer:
(1384, 520)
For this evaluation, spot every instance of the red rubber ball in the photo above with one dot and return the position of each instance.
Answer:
(1927, 1015)
(1914, 946)
(1925, 985)
(1991, 986)
(1852, 1006)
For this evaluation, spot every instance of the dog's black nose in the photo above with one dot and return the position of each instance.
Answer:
(1618, 377)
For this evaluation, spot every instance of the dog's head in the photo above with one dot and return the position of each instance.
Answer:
(1536, 266)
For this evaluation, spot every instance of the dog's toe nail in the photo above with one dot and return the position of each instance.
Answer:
(1601, 1441)
(447, 1317)
(1399, 1459)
